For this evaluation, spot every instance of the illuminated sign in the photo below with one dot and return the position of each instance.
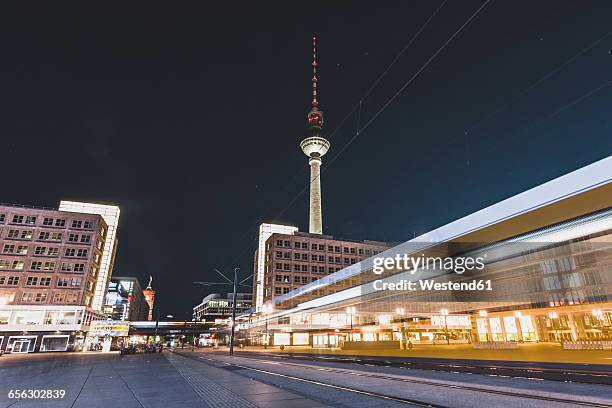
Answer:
(113, 328)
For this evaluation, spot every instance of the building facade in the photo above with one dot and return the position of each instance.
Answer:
(547, 257)
(294, 260)
(110, 214)
(125, 300)
(50, 263)
(215, 308)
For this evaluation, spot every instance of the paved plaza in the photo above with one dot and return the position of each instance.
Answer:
(212, 379)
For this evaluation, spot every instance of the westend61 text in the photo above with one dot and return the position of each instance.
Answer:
(430, 284)
(412, 263)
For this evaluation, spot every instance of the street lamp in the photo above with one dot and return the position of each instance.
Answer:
(444, 312)
(552, 316)
(235, 284)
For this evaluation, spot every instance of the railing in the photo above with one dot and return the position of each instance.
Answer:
(588, 345)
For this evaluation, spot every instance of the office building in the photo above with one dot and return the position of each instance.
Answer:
(217, 309)
(110, 214)
(548, 257)
(50, 262)
(125, 300)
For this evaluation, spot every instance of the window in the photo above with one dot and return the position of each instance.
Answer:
(286, 267)
(368, 252)
(278, 266)
(88, 224)
(82, 253)
(321, 247)
(70, 252)
(314, 269)
(346, 261)
(27, 297)
(296, 244)
(13, 234)
(60, 222)
(18, 265)
(64, 298)
(286, 290)
(2, 280)
(296, 255)
(278, 291)
(40, 250)
(73, 237)
(321, 269)
(279, 243)
(345, 250)
(77, 224)
(304, 268)
(330, 259)
(360, 251)
(304, 279)
(48, 266)
(43, 236)
(22, 249)
(62, 282)
(330, 248)
(304, 257)
(79, 267)
(313, 247)
(45, 281)
(304, 245)
(75, 282)
(279, 254)
(278, 278)
(2, 217)
(337, 259)
(296, 279)
(25, 235)
(30, 220)
(32, 281)
(53, 252)
(287, 255)
(17, 219)
(48, 222)
(288, 244)
(8, 249)
(36, 266)
(353, 260)
(85, 239)
(321, 258)
(13, 280)
(296, 267)
(336, 249)
(352, 250)
(4, 264)
(56, 236)
(331, 270)
(66, 266)
(40, 298)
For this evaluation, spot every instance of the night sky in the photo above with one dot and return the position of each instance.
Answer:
(188, 116)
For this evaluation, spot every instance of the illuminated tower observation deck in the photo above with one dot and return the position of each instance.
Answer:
(315, 145)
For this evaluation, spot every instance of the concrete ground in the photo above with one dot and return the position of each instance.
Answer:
(536, 352)
(212, 379)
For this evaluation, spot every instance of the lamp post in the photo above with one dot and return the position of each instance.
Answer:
(552, 316)
(235, 284)
(444, 312)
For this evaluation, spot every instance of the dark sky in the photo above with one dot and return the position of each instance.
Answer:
(188, 116)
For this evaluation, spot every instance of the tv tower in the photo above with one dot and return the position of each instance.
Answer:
(315, 145)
